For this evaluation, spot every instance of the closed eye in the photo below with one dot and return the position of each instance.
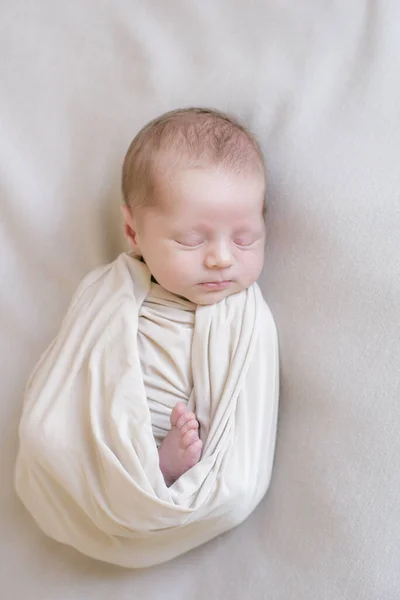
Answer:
(189, 243)
(247, 239)
(245, 243)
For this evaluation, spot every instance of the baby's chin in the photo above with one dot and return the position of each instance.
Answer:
(207, 298)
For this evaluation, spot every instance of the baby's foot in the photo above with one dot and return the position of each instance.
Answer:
(181, 447)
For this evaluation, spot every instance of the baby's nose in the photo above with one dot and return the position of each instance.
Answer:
(219, 257)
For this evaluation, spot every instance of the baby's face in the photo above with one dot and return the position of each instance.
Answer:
(204, 239)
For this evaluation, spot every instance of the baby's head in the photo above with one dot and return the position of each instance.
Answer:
(194, 192)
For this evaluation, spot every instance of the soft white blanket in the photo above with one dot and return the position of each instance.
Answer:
(88, 468)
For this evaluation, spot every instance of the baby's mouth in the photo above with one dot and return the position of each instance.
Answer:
(216, 285)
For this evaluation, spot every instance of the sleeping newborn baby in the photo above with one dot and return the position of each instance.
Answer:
(194, 191)
(149, 423)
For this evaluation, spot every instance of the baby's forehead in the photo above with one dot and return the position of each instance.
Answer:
(208, 193)
(186, 175)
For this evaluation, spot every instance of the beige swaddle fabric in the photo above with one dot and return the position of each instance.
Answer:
(87, 467)
(165, 335)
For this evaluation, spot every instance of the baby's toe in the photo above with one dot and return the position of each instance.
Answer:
(189, 425)
(184, 418)
(194, 449)
(178, 411)
(189, 438)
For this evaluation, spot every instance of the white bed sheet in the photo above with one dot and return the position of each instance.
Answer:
(319, 83)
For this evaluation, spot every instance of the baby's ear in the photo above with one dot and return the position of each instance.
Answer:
(130, 228)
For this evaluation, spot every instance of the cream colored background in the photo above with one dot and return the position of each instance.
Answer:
(319, 83)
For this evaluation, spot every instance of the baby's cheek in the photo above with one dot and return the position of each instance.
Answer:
(253, 266)
(178, 266)
(187, 265)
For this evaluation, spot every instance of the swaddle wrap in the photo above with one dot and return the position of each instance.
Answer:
(87, 468)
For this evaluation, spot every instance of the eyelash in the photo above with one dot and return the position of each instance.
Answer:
(244, 245)
(189, 245)
(237, 244)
